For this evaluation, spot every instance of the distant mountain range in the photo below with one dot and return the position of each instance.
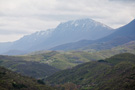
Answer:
(67, 32)
(121, 36)
(83, 34)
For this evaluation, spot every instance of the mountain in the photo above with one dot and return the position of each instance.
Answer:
(121, 36)
(5, 46)
(115, 73)
(12, 81)
(66, 32)
(125, 31)
(25, 44)
(27, 68)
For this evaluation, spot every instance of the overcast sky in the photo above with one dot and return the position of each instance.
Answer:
(22, 17)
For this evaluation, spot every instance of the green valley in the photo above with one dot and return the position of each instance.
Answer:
(45, 63)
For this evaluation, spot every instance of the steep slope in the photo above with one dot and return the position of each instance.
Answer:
(28, 68)
(115, 73)
(13, 81)
(121, 36)
(125, 31)
(80, 29)
(22, 45)
(26, 43)
(66, 32)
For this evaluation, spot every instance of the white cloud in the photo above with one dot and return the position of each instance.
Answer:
(19, 17)
(10, 37)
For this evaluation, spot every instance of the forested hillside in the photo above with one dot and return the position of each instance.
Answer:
(115, 73)
(13, 81)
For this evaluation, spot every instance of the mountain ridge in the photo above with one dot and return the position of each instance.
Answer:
(121, 36)
(66, 32)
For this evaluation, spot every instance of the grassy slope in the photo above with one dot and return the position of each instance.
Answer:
(61, 60)
(115, 73)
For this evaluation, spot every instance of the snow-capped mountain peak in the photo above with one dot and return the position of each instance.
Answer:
(46, 32)
(81, 23)
(66, 32)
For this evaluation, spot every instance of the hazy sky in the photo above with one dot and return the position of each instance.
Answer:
(21, 17)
